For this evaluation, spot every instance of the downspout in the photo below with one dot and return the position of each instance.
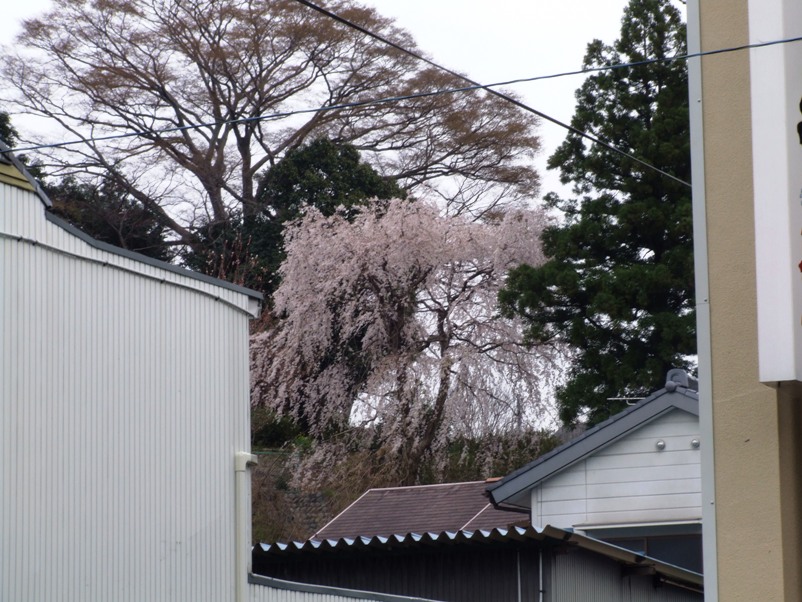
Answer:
(704, 344)
(540, 587)
(242, 521)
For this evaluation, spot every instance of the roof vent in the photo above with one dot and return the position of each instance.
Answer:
(679, 378)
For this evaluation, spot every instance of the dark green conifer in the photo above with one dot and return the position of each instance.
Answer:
(618, 287)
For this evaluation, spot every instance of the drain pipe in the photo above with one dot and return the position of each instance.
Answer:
(540, 588)
(243, 461)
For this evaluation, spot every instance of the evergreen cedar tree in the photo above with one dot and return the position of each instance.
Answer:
(8, 133)
(230, 74)
(619, 286)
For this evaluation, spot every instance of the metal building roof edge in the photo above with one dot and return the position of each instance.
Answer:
(114, 250)
(555, 535)
(9, 157)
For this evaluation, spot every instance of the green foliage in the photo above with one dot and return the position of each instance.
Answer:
(322, 174)
(271, 431)
(489, 456)
(109, 215)
(618, 287)
(8, 133)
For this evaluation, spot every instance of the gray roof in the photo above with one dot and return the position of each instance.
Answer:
(680, 393)
(513, 535)
(9, 158)
(448, 507)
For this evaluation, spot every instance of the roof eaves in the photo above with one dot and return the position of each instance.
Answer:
(108, 248)
(671, 572)
(7, 157)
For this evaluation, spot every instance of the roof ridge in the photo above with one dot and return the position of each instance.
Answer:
(475, 516)
(343, 511)
(431, 485)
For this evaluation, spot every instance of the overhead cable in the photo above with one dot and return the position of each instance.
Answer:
(501, 95)
(472, 87)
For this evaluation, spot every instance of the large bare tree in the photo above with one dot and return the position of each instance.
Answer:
(210, 91)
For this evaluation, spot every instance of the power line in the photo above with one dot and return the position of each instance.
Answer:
(474, 86)
(496, 93)
(278, 115)
(584, 71)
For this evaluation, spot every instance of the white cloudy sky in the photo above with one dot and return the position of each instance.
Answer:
(490, 41)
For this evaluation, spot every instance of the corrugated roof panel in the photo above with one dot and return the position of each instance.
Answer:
(549, 535)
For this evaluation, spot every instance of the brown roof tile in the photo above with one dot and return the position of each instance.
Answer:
(420, 509)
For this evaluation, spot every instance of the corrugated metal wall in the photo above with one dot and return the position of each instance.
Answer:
(576, 575)
(304, 593)
(472, 573)
(123, 399)
(261, 593)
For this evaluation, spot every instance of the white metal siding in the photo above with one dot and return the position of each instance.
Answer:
(124, 396)
(262, 593)
(265, 593)
(629, 481)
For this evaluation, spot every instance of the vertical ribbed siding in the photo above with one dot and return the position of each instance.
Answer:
(123, 402)
(265, 593)
(468, 573)
(578, 575)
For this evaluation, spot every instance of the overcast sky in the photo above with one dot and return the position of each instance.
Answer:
(490, 41)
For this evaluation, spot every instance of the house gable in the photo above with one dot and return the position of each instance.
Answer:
(632, 480)
(678, 395)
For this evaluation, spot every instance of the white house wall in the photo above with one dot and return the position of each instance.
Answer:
(629, 481)
(123, 399)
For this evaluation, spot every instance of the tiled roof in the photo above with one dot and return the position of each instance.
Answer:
(420, 509)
